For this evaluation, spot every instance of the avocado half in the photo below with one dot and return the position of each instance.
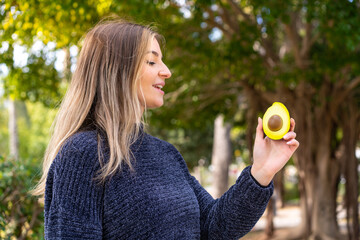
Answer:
(276, 121)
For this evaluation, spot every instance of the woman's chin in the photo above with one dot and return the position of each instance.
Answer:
(155, 105)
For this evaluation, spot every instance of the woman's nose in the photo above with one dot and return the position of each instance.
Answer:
(165, 72)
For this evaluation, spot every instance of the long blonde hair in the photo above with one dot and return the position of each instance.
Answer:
(103, 93)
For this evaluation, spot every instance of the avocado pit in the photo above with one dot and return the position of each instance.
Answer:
(275, 123)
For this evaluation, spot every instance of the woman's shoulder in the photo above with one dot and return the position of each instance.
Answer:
(158, 143)
(80, 147)
(81, 139)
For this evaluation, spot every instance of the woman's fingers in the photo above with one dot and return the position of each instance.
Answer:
(259, 129)
(292, 124)
(289, 136)
(293, 143)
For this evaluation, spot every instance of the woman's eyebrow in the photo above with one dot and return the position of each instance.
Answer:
(154, 53)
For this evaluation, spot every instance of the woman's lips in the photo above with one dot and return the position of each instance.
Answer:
(159, 87)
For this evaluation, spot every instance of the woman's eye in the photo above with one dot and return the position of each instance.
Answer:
(150, 63)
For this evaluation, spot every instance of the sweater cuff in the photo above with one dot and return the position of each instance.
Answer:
(253, 178)
(254, 192)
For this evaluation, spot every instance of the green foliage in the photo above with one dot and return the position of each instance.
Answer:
(35, 131)
(291, 192)
(63, 21)
(184, 140)
(38, 81)
(4, 143)
(34, 121)
(21, 214)
(27, 22)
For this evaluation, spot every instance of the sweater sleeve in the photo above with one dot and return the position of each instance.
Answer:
(73, 200)
(236, 212)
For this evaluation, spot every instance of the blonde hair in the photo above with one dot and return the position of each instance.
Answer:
(103, 94)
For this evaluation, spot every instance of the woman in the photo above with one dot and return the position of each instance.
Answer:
(105, 178)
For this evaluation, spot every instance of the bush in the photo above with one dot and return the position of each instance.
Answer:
(21, 214)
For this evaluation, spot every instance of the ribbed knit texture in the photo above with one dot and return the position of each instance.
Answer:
(159, 200)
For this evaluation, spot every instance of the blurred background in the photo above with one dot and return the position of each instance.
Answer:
(230, 59)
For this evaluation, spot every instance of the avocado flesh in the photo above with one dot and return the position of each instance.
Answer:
(276, 121)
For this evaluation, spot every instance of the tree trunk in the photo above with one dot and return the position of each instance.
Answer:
(269, 229)
(304, 161)
(13, 131)
(324, 224)
(279, 189)
(319, 172)
(221, 156)
(349, 163)
(324, 221)
(67, 64)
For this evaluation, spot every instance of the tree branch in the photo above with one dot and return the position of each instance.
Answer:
(344, 91)
(238, 10)
(227, 17)
(211, 21)
(36, 211)
(291, 32)
(268, 45)
(308, 40)
(295, 44)
(353, 84)
(306, 43)
(270, 58)
(214, 96)
(343, 73)
(226, 32)
(173, 96)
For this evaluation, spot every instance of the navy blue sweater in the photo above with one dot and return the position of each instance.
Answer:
(159, 200)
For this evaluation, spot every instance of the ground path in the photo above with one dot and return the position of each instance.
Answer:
(285, 221)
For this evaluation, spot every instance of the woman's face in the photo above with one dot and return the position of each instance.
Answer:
(153, 75)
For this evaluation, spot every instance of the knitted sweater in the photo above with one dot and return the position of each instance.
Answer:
(159, 200)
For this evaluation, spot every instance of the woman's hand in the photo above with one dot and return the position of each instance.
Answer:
(271, 155)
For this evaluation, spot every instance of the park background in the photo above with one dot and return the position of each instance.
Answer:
(230, 60)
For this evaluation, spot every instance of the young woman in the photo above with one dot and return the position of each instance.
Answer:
(105, 178)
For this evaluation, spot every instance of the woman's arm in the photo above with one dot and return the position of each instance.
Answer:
(237, 211)
(73, 201)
